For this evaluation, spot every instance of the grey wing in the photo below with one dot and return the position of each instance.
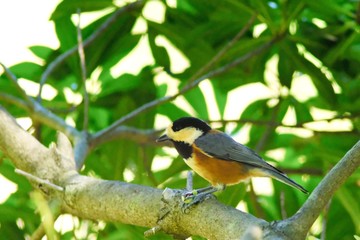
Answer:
(222, 146)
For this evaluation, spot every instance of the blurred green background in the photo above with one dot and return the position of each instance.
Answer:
(297, 102)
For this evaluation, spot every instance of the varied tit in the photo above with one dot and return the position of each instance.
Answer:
(217, 157)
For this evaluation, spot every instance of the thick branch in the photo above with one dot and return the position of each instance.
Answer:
(308, 213)
(24, 150)
(139, 205)
(113, 200)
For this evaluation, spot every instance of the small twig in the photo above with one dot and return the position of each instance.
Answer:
(107, 24)
(36, 110)
(258, 148)
(282, 205)
(152, 231)
(253, 233)
(14, 100)
(142, 136)
(45, 116)
(325, 219)
(81, 149)
(269, 129)
(83, 72)
(39, 180)
(59, 110)
(39, 233)
(147, 165)
(15, 81)
(310, 171)
(189, 181)
(280, 124)
(148, 136)
(357, 14)
(259, 211)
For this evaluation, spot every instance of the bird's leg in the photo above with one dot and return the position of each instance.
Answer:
(195, 196)
(190, 194)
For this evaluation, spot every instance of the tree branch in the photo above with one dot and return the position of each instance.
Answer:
(14, 100)
(81, 149)
(280, 124)
(300, 223)
(39, 180)
(83, 72)
(45, 116)
(37, 111)
(141, 136)
(144, 206)
(113, 200)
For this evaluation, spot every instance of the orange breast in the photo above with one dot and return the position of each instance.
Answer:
(217, 171)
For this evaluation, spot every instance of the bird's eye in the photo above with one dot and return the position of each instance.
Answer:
(176, 128)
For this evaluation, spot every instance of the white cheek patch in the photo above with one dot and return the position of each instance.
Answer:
(187, 135)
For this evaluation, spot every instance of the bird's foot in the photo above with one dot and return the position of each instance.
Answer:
(190, 198)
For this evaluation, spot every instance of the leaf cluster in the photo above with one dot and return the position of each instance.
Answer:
(316, 48)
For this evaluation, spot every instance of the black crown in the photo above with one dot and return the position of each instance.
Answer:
(185, 122)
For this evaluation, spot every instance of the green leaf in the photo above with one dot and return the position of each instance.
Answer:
(67, 7)
(117, 50)
(302, 111)
(350, 203)
(196, 99)
(339, 51)
(159, 53)
(161, 90)
(328, 8)
(281, 107)
(255, 109)
(125, 82)
(99, 117)
(221, 100)
(110, 42)
(353, 52)
(41, 51)
(232, 195)
(28, 70)
(319, 79)
(286, 69)
(187, 6)
(67, 41)
(265, 11)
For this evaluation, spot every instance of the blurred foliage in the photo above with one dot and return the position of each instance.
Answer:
(319, 39)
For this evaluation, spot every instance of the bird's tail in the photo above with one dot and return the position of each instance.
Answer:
(278, 175)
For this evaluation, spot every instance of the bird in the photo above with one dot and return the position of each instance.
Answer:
(217, 157)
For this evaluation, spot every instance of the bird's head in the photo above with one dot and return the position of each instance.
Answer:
(186, 129)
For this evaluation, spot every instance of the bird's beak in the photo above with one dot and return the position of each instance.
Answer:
(163, 138)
